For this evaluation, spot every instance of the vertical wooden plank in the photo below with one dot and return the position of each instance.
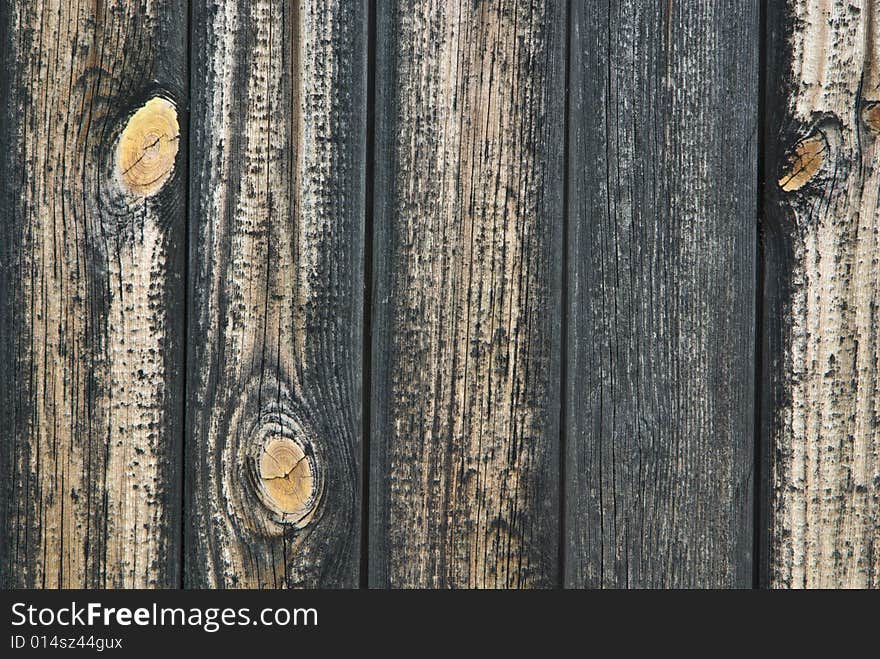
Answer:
(822, 216)
(92, 153)
(467, 251)
(277, 201)
(660, 305)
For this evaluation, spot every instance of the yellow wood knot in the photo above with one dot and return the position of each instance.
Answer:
(288, 481)
(802, 162)
(871, 116)
(148, 146)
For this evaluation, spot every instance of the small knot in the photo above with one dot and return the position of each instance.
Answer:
(287, 478)
(803, 161)
(871, 116)
(148, 147)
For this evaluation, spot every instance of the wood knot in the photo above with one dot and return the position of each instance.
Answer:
(803, 162)
(871, 116)
(283, 470)
(287, 478)
(148, 147)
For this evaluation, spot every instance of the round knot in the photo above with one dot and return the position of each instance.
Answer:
(871, 116)
(148, 147)
(803, 162)
(287, 478)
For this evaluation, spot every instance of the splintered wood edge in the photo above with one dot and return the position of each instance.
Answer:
(148, 147)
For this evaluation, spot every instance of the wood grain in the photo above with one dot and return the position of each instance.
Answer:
(824, 280)
(662, 208)
(276, 281)
(466, 315)
(91, 296)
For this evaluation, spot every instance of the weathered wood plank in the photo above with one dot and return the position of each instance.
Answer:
(276, 286)
(92, 216)
(660, 298)
(823, 273)
(466, 315)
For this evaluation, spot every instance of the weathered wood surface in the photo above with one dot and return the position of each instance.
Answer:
(276, 280)
(560, 379)
(466, 314)
(823, 277)
(92, 176)
(660, 298)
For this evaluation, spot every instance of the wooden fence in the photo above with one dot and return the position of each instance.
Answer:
(508, 293)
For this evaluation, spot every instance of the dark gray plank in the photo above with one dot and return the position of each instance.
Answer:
(466, 317)
(92, 221)
(276, 286)
(661, 294)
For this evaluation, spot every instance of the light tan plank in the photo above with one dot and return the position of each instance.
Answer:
(824, 215)
(93, 225)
